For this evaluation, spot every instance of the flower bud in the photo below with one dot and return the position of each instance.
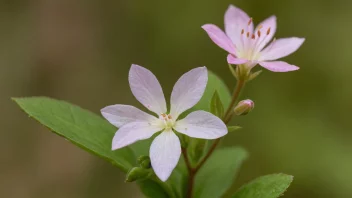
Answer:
(138, 173)
(144, 161)
(244, 107)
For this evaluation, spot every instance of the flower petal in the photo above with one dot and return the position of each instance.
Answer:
(281, 48)
(188, 90)
(164, 154)
(268, 29)
(235, 21)
(278, 66)
(219, 38)
(134, 131)
(201, 124)
(119, 115)
(146, 88)
(236, 61)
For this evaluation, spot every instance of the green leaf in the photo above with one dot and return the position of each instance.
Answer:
(269, 186)
(254, 75)
(216, 106)
(214, 84)
(85, 129)
(79, 126)
(151, 189)
(219, 172)
(233, 128)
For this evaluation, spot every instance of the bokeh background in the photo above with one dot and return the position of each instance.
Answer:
(81, 51)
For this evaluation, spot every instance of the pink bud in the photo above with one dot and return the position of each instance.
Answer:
(244, 107)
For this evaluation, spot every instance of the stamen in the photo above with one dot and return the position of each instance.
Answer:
(169, 116)
(268, 32)
(259, 33)
(248, 34)
(250, 21)
(253, 36)
(242, 31)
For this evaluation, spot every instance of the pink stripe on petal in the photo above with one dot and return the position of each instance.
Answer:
(236, 61)
(278, 66)
(219, 38)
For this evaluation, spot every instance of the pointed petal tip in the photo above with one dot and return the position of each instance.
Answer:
(207, 26)
(234, 8)
(114, 147)
(163, 177)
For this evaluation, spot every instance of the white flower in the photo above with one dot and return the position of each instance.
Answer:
(135, 124)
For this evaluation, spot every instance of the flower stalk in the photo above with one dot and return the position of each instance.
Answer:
(227, 118)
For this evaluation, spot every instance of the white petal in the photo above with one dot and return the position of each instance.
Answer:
(134, 131)
(201, 124)
(188, 90)
(281, 48)
(119, 115)
(146, 88)
(164, 154)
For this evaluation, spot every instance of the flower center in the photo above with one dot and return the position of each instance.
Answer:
(251, 42)
(167, 120)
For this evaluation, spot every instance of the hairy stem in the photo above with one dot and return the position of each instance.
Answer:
(228, 115)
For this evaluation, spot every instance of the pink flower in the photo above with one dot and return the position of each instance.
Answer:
(135, 125)
(249, 46)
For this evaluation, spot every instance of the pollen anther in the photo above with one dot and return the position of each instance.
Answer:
(250, 21)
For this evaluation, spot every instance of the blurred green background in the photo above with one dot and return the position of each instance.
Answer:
(81, 51)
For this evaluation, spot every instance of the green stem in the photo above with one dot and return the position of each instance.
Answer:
(235, 96)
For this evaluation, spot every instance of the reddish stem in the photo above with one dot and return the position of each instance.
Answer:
(227, 117)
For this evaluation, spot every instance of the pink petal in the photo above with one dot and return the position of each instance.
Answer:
(134, 131)
(269, 23)
(146, 88)
(236, 61)
(235, 21)
(119, 115)
(219, 38)
(278, 66)
(201, 124)
(165, 152)
(188, 90)
(281, 48)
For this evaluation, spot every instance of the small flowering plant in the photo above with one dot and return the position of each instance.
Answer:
(148, 147)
